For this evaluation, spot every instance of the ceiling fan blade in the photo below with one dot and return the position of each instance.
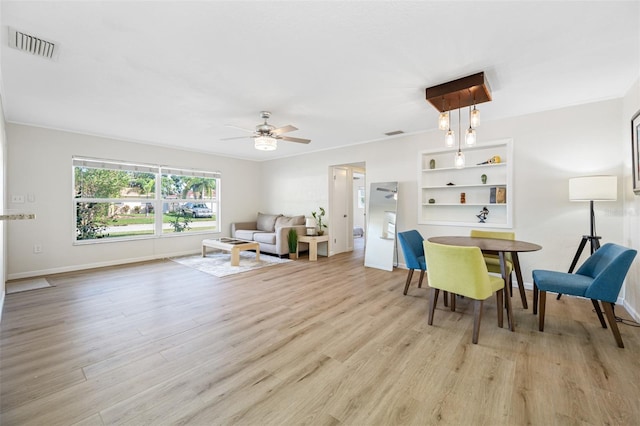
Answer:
(284, 129)
(239, 128)
(237, 137)
(290, 139)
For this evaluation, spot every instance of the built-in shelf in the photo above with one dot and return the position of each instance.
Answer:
(443, 184)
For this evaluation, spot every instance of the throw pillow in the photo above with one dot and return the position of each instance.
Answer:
(266, 222)
(289, 221)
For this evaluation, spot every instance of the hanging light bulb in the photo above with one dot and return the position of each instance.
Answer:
(443, 120)
(450, 138)
(470, 137)
(474, 120)
(459, 160)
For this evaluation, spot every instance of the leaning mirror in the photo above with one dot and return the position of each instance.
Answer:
(381, 229)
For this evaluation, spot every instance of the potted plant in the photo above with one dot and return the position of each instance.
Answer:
(293, 243)
(318, 217)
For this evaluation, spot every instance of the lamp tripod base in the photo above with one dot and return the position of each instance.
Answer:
(595, 245)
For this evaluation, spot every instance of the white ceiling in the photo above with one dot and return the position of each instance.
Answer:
(175, 73)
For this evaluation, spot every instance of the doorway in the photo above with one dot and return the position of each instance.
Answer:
(347, 207)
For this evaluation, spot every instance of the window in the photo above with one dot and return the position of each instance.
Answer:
(118, 200)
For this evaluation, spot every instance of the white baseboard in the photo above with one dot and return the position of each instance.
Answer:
(72, 268)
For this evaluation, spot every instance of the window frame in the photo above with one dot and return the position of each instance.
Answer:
(158, 200)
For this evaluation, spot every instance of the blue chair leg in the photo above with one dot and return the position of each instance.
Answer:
(596, 305)
(406, 286)
(608, 311)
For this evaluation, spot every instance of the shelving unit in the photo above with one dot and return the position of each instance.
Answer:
(446, 208)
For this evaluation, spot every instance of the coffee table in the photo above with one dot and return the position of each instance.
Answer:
(233, 245)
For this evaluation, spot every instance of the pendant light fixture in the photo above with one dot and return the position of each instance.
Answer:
(456, 94)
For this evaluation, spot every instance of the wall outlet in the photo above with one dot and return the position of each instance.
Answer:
(37, 248)
(17, 198)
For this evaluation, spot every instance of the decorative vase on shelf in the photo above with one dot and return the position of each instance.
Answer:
(484, 178)
(432, 164)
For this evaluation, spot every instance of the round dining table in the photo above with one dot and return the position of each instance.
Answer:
(498, 247)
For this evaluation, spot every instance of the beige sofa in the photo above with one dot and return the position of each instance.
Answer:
(271, 231)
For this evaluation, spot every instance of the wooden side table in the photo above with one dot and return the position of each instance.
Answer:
(313, 241)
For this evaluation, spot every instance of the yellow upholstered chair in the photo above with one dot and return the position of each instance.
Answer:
(462, 271)
(493, 260)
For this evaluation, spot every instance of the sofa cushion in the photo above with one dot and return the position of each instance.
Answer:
(267, 222)
(246, 234)
(282, 221)
(265, 237)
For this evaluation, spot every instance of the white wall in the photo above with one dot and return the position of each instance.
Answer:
(3, 224)
(39, 163)
(549, 148)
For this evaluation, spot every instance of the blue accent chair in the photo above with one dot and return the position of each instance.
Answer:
(413, 250)
(599, 278)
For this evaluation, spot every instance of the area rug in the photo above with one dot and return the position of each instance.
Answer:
(26, 285)
(219, 263)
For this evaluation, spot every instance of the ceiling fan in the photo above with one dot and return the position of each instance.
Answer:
(266, 135)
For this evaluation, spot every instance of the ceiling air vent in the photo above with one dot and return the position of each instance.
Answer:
(395, 132)
(31, 44)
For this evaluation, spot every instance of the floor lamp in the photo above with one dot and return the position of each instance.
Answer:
(591, 188)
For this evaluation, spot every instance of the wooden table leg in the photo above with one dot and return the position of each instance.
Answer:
(507, 299)
(258, 253)
(516, 267)
(235, 256)
(313, 251)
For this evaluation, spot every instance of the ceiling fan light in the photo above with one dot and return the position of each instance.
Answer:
(266, 143)
(443, 120)
(450, 138)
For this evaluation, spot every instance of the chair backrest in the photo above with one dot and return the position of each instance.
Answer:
(460, 270)
(607, 266)
(498, 235)
(411, 243)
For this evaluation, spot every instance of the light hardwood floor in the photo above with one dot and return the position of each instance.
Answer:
(327, 342)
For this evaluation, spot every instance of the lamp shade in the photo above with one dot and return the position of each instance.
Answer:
(593, 188)
(310, 222)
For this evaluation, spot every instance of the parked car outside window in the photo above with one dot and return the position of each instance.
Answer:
(197, 210)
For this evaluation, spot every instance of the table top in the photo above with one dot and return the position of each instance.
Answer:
(309, 238)
(487, 244)
(226, 242)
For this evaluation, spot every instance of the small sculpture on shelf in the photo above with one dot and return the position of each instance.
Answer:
(432, 164)
(483, 178)
(432, 201)
(493, 160)
(483, 215)
(463, 198)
